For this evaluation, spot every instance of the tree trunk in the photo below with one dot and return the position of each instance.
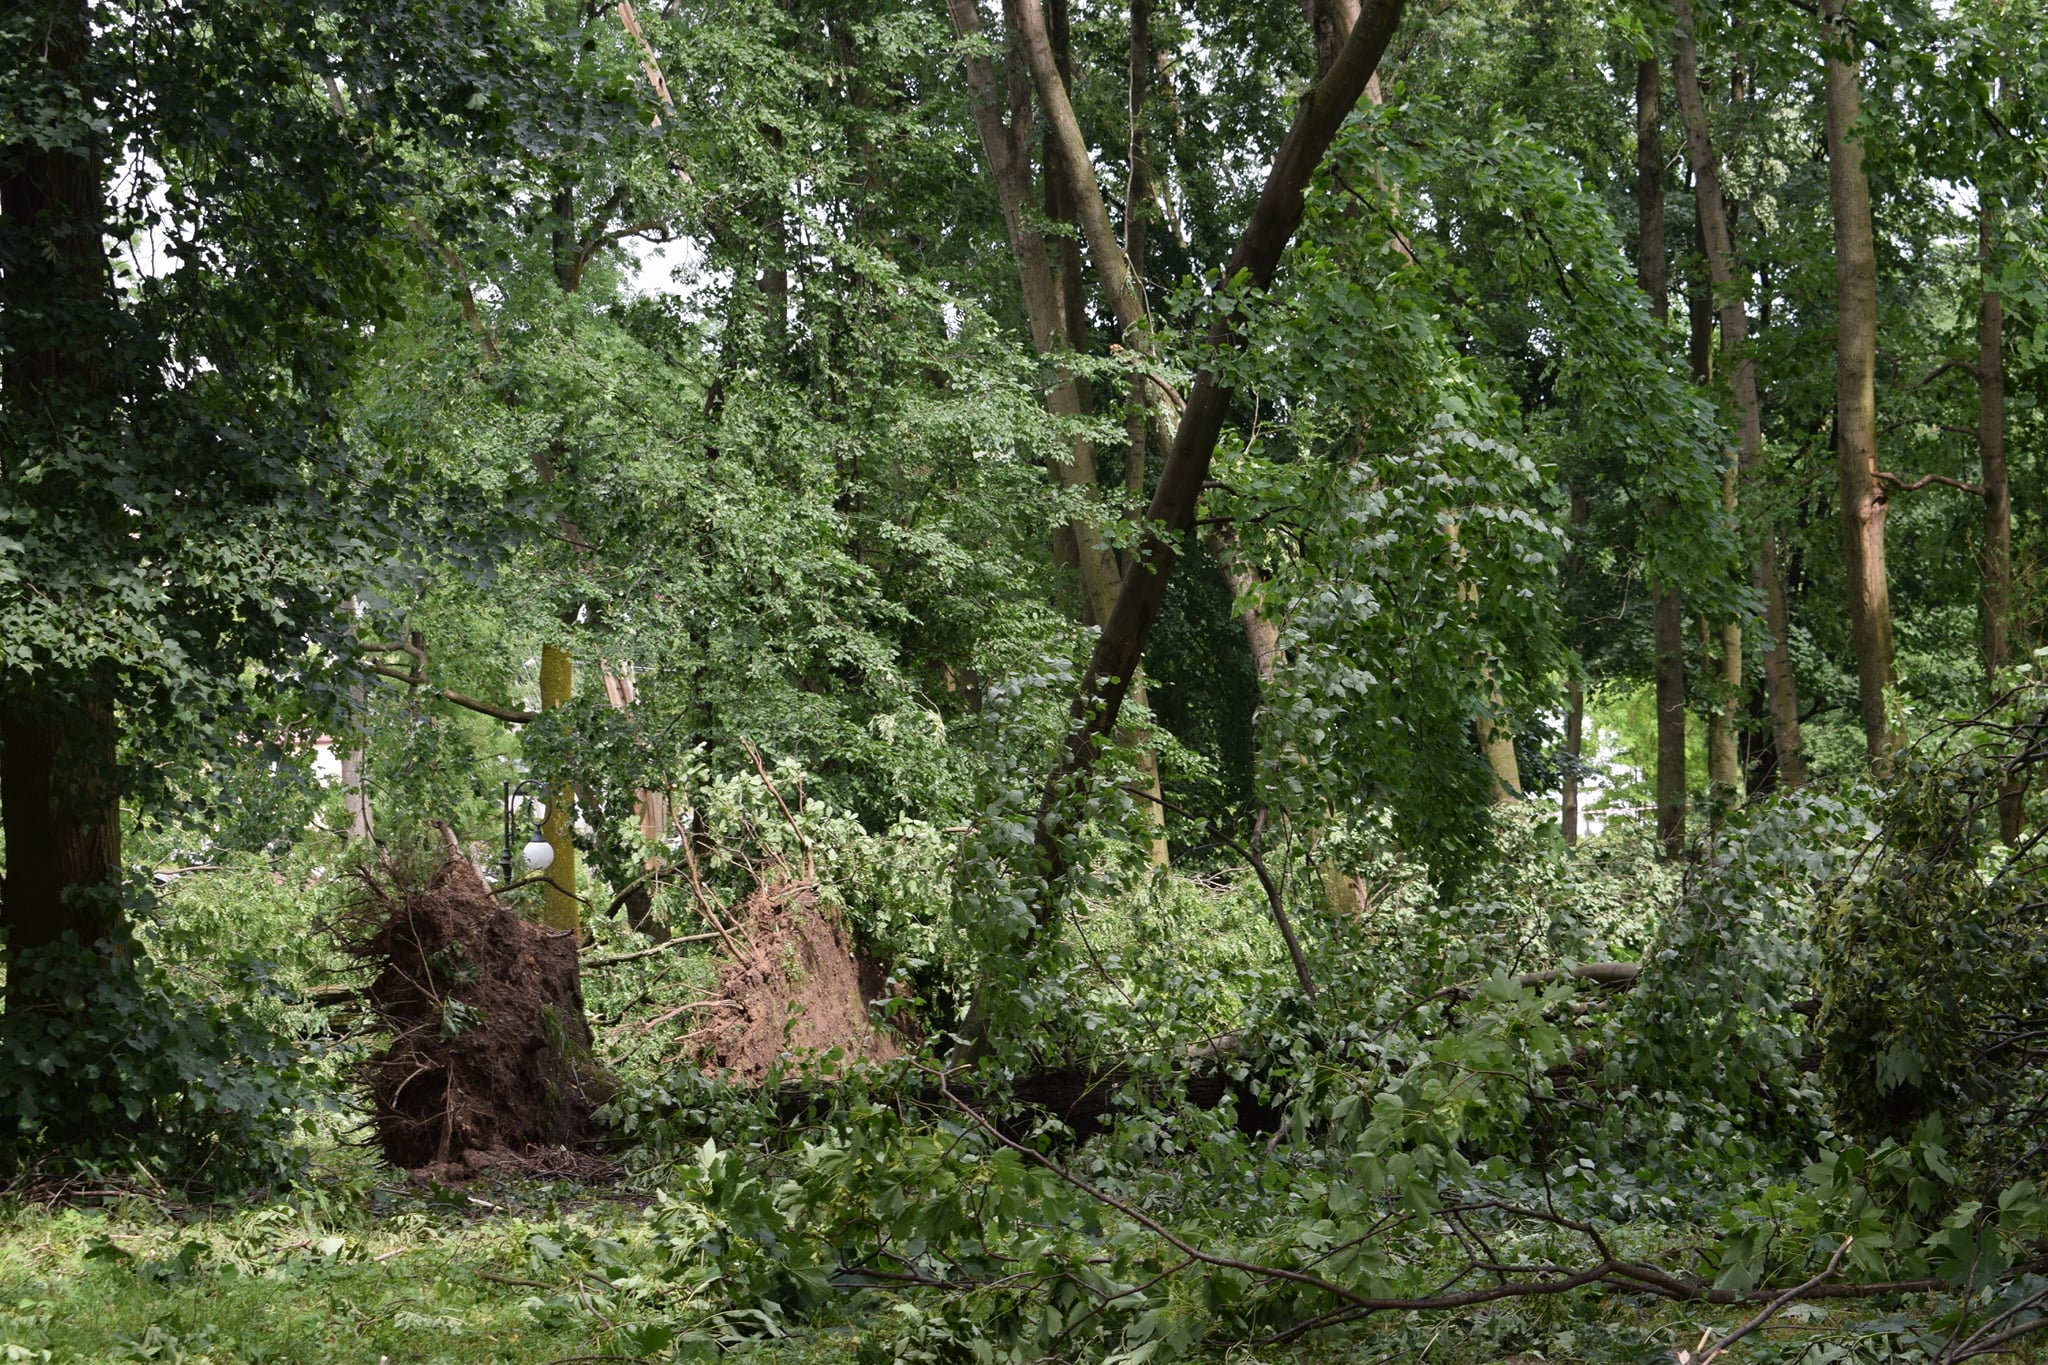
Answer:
(1669, 648)
(59, 789)
(1067, 159)
(355, 767)
(1320, 113)
(2012, 811)
(1052, 311)
(1730, 288)
(560, 906)
(1671, 757)
(59, 783)
(1861, 494)
(1574, 745)
(1991, 451)
(1137, 195)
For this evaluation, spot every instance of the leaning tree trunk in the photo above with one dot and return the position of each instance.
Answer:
(1320, 112)
(1860, 492)
(1055, 329)
(59, 783)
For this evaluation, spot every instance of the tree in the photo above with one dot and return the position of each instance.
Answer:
(1861, 494)
(1731, 303)
(188, 251)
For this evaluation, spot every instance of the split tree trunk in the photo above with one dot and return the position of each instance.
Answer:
(1861, 493)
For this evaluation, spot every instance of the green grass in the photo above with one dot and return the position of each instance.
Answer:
(340, 1273)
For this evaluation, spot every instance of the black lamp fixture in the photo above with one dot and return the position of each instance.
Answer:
(538, 853)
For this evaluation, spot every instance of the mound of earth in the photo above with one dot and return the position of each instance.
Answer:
(490, 1051)
(795, 986)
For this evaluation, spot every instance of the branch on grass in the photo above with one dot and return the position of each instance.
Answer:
(1770, 1310)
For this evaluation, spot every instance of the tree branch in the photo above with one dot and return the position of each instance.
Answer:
(414, 678)
(1896, 481)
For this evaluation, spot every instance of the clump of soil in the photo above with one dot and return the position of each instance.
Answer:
(794, 985)
(490, 1051)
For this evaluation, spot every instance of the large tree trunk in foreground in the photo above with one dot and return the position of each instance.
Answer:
(1861, 493)
(59, 791)
(59, 786)
(1114, 663)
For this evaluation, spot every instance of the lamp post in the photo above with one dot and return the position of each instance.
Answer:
(538, 854)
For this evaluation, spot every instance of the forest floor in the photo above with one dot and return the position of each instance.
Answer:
(360, 1264)
(356, 1264)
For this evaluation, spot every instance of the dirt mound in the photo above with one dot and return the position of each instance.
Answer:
(490, 1050)
(795, 986)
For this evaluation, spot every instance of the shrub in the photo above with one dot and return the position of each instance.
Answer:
(107, 1061)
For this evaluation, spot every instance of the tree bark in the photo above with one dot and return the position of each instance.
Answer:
(60, 793)
(1730, 289)
(560, 906)
(59, 783)
(1861, 494)
(1669, 649)
(1274, 218)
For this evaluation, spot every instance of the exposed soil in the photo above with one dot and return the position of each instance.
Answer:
(795, 987)
(490, 1051)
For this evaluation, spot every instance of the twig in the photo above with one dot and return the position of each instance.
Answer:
(646, 952)
(1258, 866)
(810, 865)
(1770, 1310)
(704, 902)
(415, 678)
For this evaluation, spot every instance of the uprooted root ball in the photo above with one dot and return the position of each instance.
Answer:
(795, 987)
(490, 1050)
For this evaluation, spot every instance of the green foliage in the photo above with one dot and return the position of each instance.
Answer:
(125, 1070)
(1932, 964)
